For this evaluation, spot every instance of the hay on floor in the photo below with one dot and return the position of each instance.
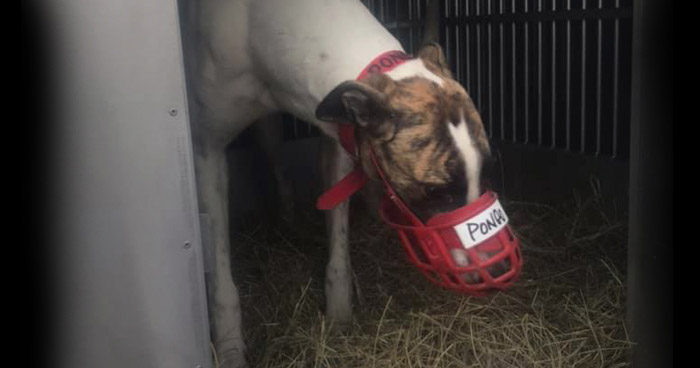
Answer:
(566, 310)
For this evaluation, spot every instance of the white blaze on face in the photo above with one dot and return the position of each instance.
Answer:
(470, 154)
(414, 68)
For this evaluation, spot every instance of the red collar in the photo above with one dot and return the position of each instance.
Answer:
(357, 178)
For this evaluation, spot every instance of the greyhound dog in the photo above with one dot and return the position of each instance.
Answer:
(250, 58)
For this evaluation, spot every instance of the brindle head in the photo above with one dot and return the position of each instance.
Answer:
(426, 133)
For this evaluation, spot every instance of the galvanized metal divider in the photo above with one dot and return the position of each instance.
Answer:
(130, 258)
(556, 74)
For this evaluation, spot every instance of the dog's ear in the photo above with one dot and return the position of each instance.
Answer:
(434, 58)
(355, 102)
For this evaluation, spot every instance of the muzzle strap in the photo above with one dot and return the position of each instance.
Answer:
(342, 190)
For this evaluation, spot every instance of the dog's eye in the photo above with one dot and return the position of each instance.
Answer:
(431, 189)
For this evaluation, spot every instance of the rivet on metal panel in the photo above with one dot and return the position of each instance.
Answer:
(187, 245)
(173, 112)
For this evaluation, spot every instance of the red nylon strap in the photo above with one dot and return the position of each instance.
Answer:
(357, 178)
(346, 133)
(384, 63)
(392, 196)
(342, 190)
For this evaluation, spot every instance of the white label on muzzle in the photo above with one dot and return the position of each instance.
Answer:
(482, 226)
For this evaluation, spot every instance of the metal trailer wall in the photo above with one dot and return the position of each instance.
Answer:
(132, 290)
(650, 243)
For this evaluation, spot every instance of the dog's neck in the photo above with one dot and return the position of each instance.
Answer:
(304, 49)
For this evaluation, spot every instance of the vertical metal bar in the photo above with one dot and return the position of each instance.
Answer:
(382, 4)
(411, 30)
(478, 54)
(458, 48)
(539, 76)
(513, 88)
(468, 48)
(615, 80)
(554, 84)
(599, 68)
(568, 78)
(446, 15)
(396, 13)
(583, 81)
(419, 30)
(418, 10)
(527, 78)
(503, 134)
(490, 65)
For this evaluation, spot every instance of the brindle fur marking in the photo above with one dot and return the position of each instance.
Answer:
(414, 148)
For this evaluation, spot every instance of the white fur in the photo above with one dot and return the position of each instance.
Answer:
(307, 48)
(414, 68)
(245, 60)
(472, 158)
(338, 283)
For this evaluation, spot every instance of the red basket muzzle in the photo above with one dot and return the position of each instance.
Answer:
(471, 250)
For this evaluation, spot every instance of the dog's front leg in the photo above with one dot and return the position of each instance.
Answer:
(335, 165)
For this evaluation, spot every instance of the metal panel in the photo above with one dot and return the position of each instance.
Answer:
(569, 70)
(132, 288)
(651, 226)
